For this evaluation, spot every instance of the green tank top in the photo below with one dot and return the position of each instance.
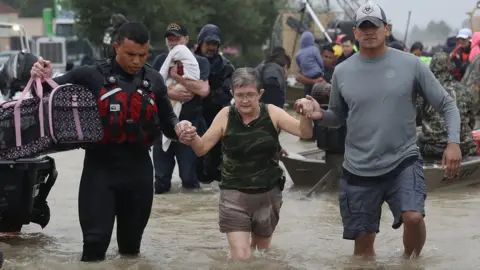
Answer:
(250, 153)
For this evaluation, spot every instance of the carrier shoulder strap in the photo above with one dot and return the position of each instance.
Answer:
(145, 81)
(105, 67)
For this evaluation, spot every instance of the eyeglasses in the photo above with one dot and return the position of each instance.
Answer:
(249, 96)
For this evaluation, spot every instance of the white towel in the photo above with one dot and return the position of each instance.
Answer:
(191, 71)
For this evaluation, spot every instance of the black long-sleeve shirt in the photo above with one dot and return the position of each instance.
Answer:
(91, 77)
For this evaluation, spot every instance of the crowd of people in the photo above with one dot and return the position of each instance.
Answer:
(222, 124)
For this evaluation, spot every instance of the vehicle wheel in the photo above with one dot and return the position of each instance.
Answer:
(10, 227)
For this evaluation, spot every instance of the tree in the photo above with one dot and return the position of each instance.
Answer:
(440, 28)
(13, 3)
(244, 23)
(435, 32)
(34, 8)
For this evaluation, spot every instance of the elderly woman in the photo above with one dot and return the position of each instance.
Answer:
(252, 179)
(433, 140)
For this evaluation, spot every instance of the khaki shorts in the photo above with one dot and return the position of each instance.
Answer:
(256, 213)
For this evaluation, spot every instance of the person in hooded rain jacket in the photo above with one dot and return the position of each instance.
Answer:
(471, 78)
(474, 46)
(221, 70)
(309, 61)
(434, 139)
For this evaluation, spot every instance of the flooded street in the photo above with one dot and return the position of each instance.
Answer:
(183, 232)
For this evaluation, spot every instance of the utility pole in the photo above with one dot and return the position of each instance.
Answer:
(408, 26)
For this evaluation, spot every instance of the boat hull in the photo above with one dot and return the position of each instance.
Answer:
(308, 167)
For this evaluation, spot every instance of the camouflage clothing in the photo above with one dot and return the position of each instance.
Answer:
(251, 153)
(471, 80)
(434, 138)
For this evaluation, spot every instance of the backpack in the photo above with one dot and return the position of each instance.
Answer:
(72, 116)
(15, 73)
(127, 116)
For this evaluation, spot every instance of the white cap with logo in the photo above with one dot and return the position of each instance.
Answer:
(370, 12)
(465, 33)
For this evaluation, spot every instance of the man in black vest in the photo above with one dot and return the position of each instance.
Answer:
(116, 181)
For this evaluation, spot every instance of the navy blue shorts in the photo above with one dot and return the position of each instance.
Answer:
(361, 198)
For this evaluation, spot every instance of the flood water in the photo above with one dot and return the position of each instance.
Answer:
(183, 232)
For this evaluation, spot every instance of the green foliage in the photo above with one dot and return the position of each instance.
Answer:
(12, 3)
(244, 23)
(433, 32)
(33, 8)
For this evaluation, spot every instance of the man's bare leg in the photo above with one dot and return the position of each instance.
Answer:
(260, 242)
(364, 245)
(414, 233)
(239, 245)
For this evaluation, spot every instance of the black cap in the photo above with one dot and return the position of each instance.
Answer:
(176, 29)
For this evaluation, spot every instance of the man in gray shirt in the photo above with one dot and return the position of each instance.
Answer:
(374, 93)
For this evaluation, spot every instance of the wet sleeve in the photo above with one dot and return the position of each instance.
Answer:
(227, 79)
(204, 66)
(79, 75)
(229, 72)
(168, 119)
(337, 107)
(440, 100)
(273, 94)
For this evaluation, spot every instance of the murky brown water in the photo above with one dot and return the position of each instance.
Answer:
(183, 232)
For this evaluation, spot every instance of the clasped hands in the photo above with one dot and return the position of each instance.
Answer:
(186, 132)
(309, 108)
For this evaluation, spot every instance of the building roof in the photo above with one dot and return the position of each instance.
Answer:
(6, 9)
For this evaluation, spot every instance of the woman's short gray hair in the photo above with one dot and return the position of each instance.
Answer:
(244, 77)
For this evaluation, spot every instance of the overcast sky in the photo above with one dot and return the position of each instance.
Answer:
(451, 11)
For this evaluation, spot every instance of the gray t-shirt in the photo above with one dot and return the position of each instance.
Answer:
(376, 98)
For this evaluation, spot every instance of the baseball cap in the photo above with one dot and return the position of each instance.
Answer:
(176, 29)
(464, 33)
(370, 12)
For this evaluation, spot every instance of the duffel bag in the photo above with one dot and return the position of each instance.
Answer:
(22, 129)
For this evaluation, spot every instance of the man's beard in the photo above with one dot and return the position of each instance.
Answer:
(211, 53)
(169, 47)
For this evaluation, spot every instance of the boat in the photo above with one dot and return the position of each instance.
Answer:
(307, 168)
